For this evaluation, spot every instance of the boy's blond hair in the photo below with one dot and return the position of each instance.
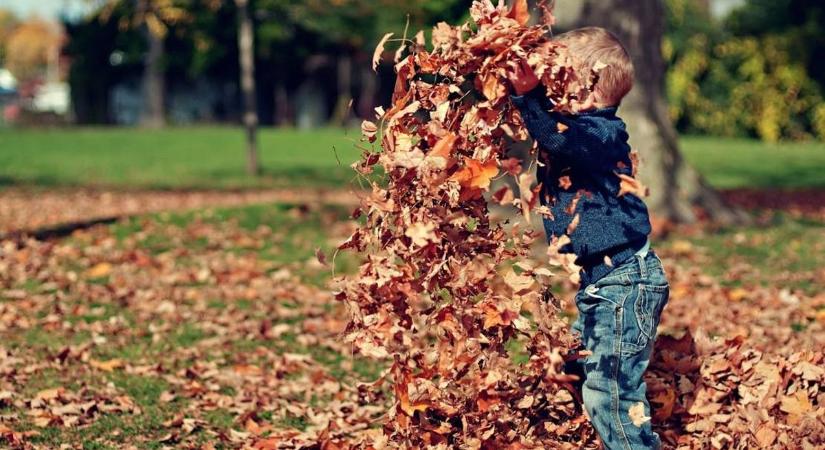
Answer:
(596, 47)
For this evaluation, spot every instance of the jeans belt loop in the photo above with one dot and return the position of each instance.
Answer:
(642, 266)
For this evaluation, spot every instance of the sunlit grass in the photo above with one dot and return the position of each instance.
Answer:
(214, 157)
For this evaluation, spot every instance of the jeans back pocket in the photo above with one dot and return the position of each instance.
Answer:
(642, 317)
(648, 309)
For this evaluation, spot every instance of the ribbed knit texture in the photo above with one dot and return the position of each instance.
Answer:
(590, 152)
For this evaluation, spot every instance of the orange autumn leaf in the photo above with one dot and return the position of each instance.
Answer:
(50, 394)
(765, 436)
(99, 270)
(737, 294)
(492, 88)
(107, 366)
(520, 12)
(477, 175)
(255, 428)
(664, 401)
(406, 405)
(246, 370)
(443, 149)
(796, 406)
(267, 444)
(630, 185)
(486, 403)
(492, 316)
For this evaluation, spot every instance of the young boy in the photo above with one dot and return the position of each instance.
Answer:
(623, 286)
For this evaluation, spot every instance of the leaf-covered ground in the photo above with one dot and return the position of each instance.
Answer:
(217, 329)
(32, 209)
(205, 328)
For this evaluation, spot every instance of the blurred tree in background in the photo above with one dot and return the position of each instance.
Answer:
(755, 73)
(325, 44)
(677, 190)
(31, 48)
(194, 40)
(338, 37)
(152, 18)
(8, 22)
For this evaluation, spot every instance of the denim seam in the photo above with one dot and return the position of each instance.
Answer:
(625, 281)
(614, 376)
(595, 295)
(642, 304)
(622, 277)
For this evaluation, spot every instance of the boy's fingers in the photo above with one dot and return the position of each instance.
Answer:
(525, 66)
(512, 76)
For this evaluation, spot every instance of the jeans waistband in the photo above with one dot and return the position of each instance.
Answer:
(598, 268)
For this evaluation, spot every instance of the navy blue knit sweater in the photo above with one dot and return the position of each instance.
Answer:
(590, 152)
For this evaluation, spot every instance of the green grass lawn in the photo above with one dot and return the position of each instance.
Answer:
(213, 157)
(173, 158)
(740, 163)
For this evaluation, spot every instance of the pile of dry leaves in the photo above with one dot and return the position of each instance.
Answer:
(445, 295)
(443, 292)
(720, 394)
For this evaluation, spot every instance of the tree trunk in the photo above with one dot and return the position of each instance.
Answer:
(282, 116)
(342, 106)
(246, 52)
(369, 91)
(154, 78)
(677, 191)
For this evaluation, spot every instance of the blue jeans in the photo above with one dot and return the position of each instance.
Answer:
(617, 321)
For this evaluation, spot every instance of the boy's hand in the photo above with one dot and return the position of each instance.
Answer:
(522, 78)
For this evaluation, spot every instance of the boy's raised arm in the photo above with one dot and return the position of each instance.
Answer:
(564, 135)
(543, 125)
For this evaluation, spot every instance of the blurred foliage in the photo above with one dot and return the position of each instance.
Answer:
(290, 32)
(30, 47)
(356, 24)
(8, 22)
(156, 15)
(194, 31)
(755, 74)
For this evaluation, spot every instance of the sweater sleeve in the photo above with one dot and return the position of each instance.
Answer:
(578, 142)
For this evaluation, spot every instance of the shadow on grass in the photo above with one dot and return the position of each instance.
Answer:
(809, 177)
(38, 181)
(336, 177)
(220, 179)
